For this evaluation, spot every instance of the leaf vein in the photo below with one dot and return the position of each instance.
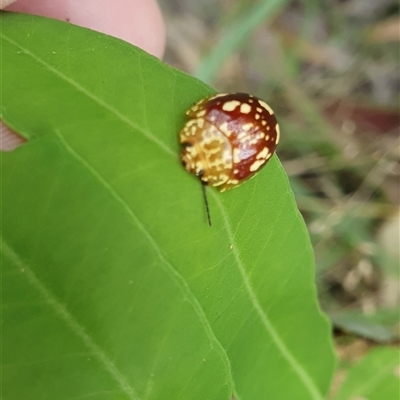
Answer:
(62, 312)
(270, 329)
(93, 97)
(170, 269)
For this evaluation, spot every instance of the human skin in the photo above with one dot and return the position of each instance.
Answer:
(136, 21)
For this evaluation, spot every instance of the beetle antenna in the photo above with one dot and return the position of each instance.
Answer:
(203, 187)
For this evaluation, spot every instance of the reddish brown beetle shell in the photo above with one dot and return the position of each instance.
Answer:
(228, 139)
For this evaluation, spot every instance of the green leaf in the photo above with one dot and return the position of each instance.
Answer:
(375, 377)
(114, 285)
(380, 327)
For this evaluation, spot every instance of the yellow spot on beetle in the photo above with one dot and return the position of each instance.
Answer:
(230, 105)
(267, 107)
(278, 133)
(224, 128)
(256, 165)
(248, 126)
(263, 153)
(245, 108)
(216, 96)
(242, 135)
(236, 156)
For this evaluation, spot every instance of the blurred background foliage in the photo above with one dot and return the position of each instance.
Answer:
(330, 70)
